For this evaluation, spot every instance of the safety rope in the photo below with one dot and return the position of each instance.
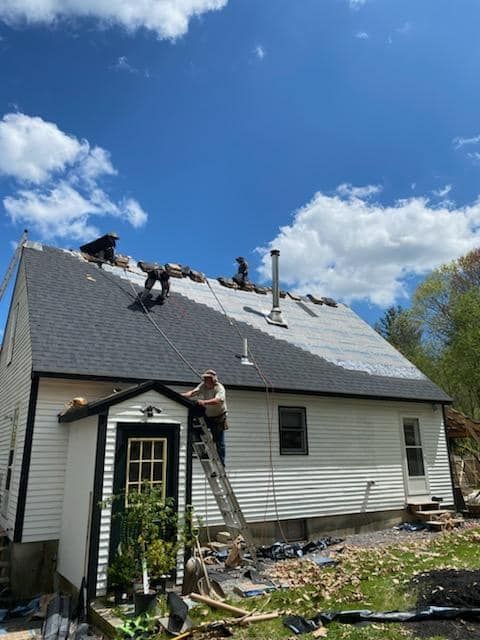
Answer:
(162, 332)
(269, 390)
(267, 383)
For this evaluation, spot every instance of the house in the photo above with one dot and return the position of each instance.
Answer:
(331, 430)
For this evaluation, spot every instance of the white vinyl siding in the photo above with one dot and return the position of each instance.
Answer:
(46, 481)
(77, 502)
(12, 332)
(129, 411)
(15, 385)
(350, 443)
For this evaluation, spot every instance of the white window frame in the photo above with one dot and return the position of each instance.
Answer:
(152, 460)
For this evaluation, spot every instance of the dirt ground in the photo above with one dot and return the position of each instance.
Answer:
(448, 588)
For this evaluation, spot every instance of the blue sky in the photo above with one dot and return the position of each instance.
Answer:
(342, 132)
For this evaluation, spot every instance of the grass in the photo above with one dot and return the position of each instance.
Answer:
(377, 579)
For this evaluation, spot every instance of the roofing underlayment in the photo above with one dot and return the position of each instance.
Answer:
(86, 320)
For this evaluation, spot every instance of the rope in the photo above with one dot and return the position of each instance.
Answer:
(269, 389)
(266, 381)
(162, 332)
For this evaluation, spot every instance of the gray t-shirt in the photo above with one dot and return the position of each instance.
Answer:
(217, 391)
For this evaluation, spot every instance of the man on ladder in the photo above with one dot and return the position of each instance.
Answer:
(212, 396)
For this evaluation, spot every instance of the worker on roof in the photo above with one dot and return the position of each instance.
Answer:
(156, 273)
(102, 248)
(241, 277)
(211, 395)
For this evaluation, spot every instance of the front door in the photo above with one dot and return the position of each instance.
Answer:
(414, 463)
(144, 453)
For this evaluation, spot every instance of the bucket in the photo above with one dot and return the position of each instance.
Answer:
(145, 602)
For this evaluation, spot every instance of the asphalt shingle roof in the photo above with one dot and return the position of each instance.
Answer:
(86, 321)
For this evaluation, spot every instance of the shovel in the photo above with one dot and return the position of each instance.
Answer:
(193, 571)
(206, 586)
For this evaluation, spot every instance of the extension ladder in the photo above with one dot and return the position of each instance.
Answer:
(206, 450)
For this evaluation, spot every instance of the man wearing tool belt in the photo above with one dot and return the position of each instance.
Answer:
(212, 396)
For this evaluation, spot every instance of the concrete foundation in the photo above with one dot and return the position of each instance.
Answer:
(310, 528)
(32, 568)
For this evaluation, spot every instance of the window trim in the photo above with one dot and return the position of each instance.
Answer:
(12, 333)
(293, 452)
(164, 461)
(414, 446)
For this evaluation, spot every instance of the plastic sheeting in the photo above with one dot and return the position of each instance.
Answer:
(284, 550)
(300, 625)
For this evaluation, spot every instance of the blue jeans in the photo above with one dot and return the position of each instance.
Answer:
(217, 429)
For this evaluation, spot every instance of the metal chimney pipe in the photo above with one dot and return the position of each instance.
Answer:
(275, 315)
(244, 358)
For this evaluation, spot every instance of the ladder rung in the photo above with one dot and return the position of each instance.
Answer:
(220, 486)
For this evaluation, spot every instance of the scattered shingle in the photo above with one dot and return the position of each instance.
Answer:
(98, 328)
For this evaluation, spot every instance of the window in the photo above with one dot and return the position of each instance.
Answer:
(413, 446)
(293, 430)
(146, 462)
(11, 337)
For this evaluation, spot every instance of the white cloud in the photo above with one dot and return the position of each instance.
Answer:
(32, 149)
(413, 186)
(259, 51)
(461, 142)
(443, 191)
(167, 18)
(362, 35)
(353, 249)
(348, 190)
(58, 179)
(134, 213)
(356, 4)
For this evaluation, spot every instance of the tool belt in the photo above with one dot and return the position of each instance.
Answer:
(217, 422)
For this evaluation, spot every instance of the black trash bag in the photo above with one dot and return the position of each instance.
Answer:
(427, 613)
(281, 551)
(299, 625)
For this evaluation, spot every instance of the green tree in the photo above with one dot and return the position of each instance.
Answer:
(400, 329)
(462, 353)
(446, 306)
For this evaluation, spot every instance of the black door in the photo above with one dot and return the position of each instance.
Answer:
(143, 453)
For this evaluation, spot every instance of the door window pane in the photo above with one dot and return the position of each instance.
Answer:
(412, 432)
(146, 463)
(415, 461)
(413, 447)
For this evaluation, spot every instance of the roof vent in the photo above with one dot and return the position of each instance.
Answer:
(275, 315)
(244, 358)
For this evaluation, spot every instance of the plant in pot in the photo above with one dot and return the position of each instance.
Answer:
(150, 531)
(161, 561)
(121, 573)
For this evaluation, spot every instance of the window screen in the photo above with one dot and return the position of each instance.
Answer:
(293, 430)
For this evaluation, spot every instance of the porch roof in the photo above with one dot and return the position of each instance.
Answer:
(101, 406)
